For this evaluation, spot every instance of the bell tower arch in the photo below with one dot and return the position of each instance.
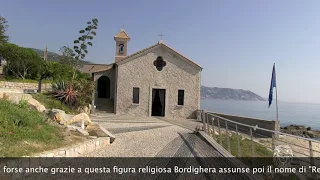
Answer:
(122, 40)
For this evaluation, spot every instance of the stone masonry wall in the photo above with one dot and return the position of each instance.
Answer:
(110, 74)
(1, 70)
(23, 86)
(141, 72)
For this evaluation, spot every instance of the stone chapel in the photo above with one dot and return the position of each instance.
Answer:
(156, 81)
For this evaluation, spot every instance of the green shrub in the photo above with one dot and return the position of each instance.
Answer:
(77, 93)
(58, 86)
(85, 88)
(49, 101)
(23, 103)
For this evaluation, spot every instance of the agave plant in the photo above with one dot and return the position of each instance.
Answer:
(57, 86)
(66, 93)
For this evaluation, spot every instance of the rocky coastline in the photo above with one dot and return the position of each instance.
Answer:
(300, 130)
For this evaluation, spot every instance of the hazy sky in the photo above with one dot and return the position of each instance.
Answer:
(236, 42)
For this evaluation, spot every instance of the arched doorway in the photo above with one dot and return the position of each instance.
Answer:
(103, 87)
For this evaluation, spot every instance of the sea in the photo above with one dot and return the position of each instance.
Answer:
(289, 113)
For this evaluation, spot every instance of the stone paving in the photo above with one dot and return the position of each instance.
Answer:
(141, 137)
(149, 137)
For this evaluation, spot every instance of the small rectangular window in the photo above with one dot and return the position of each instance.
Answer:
(135, 99)
(181, 97)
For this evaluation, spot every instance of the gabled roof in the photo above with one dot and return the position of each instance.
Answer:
(160, 43)
(110, 66)
(92, 68)
(122, 34)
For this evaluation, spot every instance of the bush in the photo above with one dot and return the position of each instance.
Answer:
(85, 88)
(23, 104)
(76, 93)
(49, 101)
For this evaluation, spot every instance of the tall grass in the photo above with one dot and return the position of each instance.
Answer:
(24, 131)
(49, 101)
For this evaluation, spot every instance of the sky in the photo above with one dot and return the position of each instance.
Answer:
(236, 42)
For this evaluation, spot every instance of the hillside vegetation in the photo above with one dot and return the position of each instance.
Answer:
(53, 56)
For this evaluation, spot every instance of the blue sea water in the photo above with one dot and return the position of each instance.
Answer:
(289, 113)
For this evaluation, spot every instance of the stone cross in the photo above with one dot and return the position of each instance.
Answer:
(161, 35)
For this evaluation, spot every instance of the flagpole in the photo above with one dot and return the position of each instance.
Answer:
(276, 90)
(277, 103)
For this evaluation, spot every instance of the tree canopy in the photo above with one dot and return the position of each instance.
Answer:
(21, 62)
(3, 29)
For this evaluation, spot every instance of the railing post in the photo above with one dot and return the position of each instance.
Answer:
(314, 176)
(212, 126)
(220, 140)
(273, 142)
(238, 141)
(202, 118)
(204, 114)
(252, 142)
(201, 115)
(207, 123)
(228, 138)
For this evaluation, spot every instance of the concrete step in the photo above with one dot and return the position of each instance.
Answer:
(104, 105)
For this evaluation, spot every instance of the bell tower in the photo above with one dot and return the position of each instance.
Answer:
(122, 40)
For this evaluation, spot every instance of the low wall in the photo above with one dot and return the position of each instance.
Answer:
(23, 86)
(50, 158)
(261, 123)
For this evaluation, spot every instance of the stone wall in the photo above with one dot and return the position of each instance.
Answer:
(1, 70)
(23, 86)
(176, 75)
(261, 123)
(110, 74)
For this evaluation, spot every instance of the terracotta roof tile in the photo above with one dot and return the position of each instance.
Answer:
(109, 66)
(90, 68)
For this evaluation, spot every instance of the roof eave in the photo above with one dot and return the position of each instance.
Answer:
(124, 60)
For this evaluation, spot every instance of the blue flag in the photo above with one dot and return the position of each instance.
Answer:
(273, 84)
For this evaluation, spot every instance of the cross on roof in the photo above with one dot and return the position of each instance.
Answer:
(161, 35)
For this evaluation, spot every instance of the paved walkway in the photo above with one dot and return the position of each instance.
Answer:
(150, 137)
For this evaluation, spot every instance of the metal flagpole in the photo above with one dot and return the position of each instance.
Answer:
(275, 77)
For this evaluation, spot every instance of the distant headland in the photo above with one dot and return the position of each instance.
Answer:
(228, 94)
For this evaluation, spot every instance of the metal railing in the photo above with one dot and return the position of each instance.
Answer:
(243, 140)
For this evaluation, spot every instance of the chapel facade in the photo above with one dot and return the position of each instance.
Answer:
(156, 81)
